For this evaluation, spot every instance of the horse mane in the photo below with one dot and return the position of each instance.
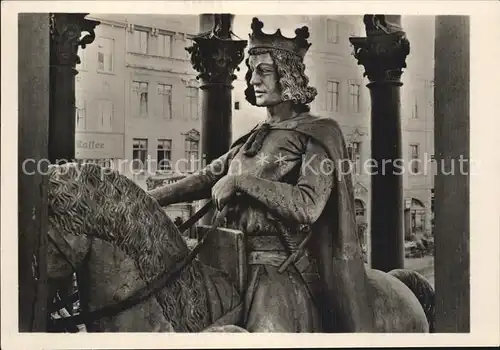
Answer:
(100, 202)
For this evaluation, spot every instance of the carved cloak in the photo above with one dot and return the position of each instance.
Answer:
(335, 243)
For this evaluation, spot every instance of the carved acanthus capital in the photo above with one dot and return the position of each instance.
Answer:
(383, 52)
(66, 36)
(216, 59)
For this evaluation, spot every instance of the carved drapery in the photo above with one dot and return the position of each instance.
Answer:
(383, 52)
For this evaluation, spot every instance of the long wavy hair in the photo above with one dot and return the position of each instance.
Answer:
(292, 79)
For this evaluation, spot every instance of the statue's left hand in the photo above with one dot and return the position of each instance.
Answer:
(224, 190)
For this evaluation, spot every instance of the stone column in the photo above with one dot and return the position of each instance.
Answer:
(451, 204)
(383, 53)
(216, 56)
(65, 37)
(33, 73)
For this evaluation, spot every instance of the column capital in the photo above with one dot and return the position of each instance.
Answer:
(215, 55)
(383, 52)
(216, 60)
(66, 36)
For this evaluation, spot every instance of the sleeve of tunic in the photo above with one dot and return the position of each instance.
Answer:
(303, 202)
(196, 186)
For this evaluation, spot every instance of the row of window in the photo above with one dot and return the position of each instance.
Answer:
(354, 102)
(153, 42)
(140, 100)
(103, 120)
(333, 96)
(163, 153)
(191, 146)
(139, 105)
(139, 42)
(417, 216)
(150, 43)
(354, 152)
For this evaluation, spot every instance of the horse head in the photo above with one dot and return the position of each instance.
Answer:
(102, 223)
(88, 202)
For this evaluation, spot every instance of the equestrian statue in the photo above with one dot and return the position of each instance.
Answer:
(285, 185)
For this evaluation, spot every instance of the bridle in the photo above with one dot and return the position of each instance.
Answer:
(144, 293)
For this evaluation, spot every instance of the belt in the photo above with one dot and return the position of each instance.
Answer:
(264, 243)
(276, 259)
(268, 250)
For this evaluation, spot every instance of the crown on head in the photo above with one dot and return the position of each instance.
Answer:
(297, 45)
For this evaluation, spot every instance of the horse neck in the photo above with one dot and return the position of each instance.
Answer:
(111, 276)
(134, 241)
(141, 228)
(101, 203)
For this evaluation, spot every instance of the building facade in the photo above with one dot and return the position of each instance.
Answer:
(100, 102)
(417, 109)
(140, 96)
(138, 99)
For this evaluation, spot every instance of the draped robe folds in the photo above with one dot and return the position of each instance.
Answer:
(297, 177)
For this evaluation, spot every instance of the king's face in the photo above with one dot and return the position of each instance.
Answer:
(264, 80)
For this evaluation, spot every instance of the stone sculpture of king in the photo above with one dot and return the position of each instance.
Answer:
(289, 190)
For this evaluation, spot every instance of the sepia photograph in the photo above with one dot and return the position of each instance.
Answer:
(223, 172)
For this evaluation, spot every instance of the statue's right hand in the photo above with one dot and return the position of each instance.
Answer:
(223, 191)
